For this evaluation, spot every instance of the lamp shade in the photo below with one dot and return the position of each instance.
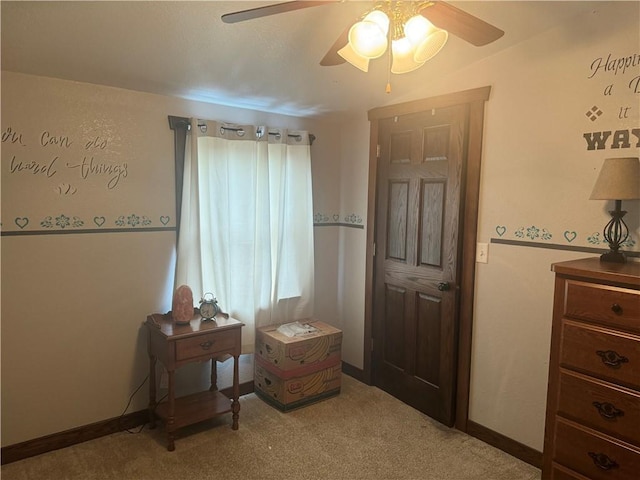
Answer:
(403, 61)
(619, 179)
(430, 46)
(351, 56)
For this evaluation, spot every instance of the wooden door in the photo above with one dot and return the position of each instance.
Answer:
(420, 170)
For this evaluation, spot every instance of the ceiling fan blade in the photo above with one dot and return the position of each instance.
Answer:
(265, 11)
(461, 24)
(331, 57)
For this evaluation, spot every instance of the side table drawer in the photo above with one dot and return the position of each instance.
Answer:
(614, 306)
(205, 345)
(559, 472)
(606, 407)
(595, 456)
(601, 352)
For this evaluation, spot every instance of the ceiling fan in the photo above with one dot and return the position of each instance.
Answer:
(440, 14)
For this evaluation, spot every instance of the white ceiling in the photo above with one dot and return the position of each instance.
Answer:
(183, 49)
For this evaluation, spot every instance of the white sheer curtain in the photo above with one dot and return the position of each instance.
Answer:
(246, 229)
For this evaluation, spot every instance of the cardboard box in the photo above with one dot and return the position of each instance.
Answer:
(320, 348)
(291, 372)
(295, 392)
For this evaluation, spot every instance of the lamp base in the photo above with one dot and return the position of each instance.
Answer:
(613, 257)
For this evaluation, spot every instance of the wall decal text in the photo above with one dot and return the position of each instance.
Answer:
(622, 74)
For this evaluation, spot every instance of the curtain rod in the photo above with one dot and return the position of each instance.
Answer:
(176, 123)
(312, 137)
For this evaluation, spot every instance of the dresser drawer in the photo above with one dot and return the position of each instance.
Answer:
(206, 345)
(600, 405)
(559, 472)
(601, 352)
(618, 307)
(594, 456)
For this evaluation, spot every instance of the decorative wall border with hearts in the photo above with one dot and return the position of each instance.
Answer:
(533, 233)
(352, 220)
(64, 222)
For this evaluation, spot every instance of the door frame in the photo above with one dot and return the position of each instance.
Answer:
(475, 99)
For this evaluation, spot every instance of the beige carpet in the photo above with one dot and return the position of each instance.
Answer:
(361, 434)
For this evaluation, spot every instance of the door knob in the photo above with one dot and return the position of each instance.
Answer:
(444, 286)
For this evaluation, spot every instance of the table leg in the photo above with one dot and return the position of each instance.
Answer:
(171, 418)
(235, 404)
(214, 376)
(152, 390)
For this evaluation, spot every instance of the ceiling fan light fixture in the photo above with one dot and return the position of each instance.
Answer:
(430, 46)
(368, 39)
(351, 56)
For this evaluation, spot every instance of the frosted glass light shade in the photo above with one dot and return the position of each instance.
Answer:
(403, 56)
(368, 39)
(417, 28)
(350, 55)
(430, 46)
(379, 18)
(619, 179)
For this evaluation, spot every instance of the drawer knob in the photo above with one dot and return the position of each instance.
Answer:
(602, 461)
(608, 410)
(617, 309)
(206, 345)
(611, 358)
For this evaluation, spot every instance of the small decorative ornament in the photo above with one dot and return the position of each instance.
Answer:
(182, 305)
(209, 307)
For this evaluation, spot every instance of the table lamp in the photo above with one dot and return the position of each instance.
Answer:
(619, 180)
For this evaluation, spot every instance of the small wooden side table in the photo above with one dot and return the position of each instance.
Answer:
(178, 345)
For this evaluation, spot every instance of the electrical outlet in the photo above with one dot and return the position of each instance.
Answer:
(482, 253)
(164, 379)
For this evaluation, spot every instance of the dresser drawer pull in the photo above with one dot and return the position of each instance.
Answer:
(611, 358)
(617, 309)
(206, 345)
(608, 410)
(602, 461)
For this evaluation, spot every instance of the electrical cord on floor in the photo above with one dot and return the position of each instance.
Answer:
(152, 413)
(127, 407)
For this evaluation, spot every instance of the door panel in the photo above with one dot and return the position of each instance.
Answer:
(431, 217)
(436, 142)
(394, 326)
(417, 222)
(397, 233)
(427, 339)
(400, 147)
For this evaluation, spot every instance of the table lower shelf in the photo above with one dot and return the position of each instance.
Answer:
(195, 408)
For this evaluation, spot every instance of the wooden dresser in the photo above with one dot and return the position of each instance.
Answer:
(593, 402)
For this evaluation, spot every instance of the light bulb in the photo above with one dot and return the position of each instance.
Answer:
(401, 47)
(403, 53)
(417, 28)
(379, 18)
(368, 39)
